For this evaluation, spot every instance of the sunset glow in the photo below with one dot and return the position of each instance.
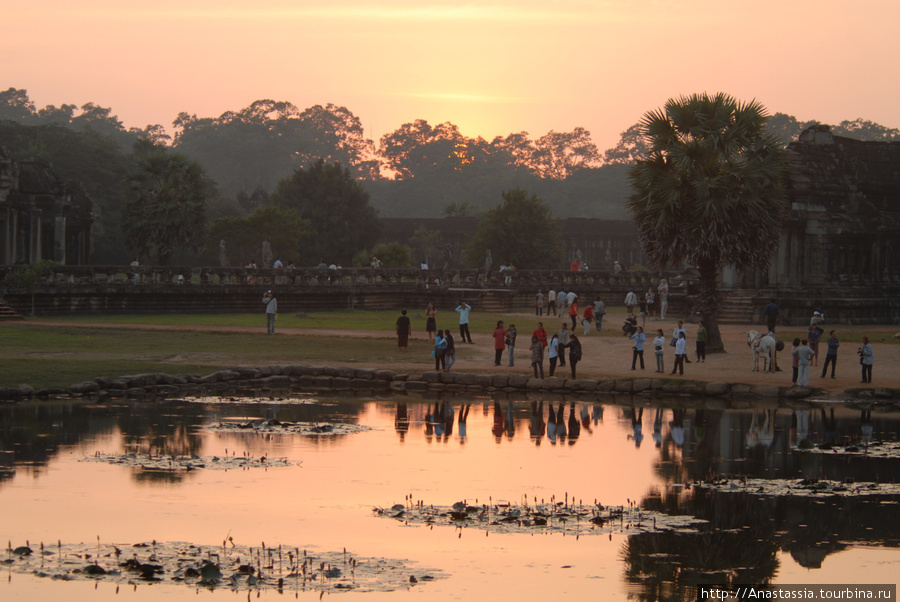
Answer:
(490, 68)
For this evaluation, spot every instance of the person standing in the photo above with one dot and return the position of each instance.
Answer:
(677, 334)
(439, 351)
(404, 329)
(450, 351)
(561, 302)
(574, 352)
(563, 343)
(815, 333)
(638, 351)
(586, 318)
(702, 335)
(772, 314)
(599, 312)
(804, 354)
(680, 353)
(463, 310)
(553, 353)
(650, 299)
(573, 310)
(551, 303)
(831, 355)
(795, 366)
(539, 304)
(541, 334)
(866, 360)
(499, 342)
(663, 290)
(431, 320)
(511, 343)
(659, 345)
(537, 356)
(271, 311)
(631, 301)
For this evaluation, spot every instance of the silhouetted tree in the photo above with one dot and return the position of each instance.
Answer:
(710, 191)
(521, 230)
(166, 205)
(337, 208)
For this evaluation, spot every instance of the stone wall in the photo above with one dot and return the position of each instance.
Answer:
(301, 378)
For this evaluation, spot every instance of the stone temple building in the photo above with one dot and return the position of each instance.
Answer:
(840, 247)
(41, 217)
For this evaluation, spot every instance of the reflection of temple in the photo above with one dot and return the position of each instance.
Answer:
(41, 217)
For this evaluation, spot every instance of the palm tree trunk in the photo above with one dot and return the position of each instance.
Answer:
(709, 304)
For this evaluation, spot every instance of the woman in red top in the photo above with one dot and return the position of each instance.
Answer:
(541, 334)
(573, 312)
(499, 342)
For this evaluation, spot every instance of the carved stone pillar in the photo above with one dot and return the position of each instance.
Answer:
(59, 239)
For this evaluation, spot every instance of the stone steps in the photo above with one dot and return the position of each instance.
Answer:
(8, 314)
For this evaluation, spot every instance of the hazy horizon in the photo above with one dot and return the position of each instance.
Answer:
(491, 69)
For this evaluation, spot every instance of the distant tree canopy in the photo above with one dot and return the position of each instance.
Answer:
(282, 227)
(520, 231)
(336, 207)
(257, 146)
(165, 209)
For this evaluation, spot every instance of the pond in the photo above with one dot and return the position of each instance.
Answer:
(608, 503)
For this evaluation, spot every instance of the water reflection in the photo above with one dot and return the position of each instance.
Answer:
(742, 542)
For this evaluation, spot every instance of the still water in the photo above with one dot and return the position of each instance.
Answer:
(504, 452)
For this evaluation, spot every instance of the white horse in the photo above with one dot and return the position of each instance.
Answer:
(762, 345)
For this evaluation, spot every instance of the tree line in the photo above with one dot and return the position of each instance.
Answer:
(313, 185)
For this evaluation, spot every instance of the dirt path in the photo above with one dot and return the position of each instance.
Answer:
(606, 356)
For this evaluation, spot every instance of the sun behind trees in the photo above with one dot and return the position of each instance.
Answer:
(709, 193)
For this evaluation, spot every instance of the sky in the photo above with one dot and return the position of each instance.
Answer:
(490, 67)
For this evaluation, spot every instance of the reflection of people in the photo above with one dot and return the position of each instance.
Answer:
(574, 425)
(551, 425)
(866, 427)
(271, 311)
(404, 329)
(463, 419)
(762, 434)
(536, 424)
(401, 421)
(637, 426)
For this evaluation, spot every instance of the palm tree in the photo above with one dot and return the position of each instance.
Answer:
(709, 192)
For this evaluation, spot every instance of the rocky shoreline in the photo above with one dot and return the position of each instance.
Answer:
(301, 377)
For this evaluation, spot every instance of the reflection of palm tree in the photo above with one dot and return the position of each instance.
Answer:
(663, 563)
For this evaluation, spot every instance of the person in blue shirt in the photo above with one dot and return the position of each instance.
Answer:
(638, 337)
(463, 309)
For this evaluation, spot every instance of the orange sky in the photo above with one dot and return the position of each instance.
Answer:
(492, 68)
